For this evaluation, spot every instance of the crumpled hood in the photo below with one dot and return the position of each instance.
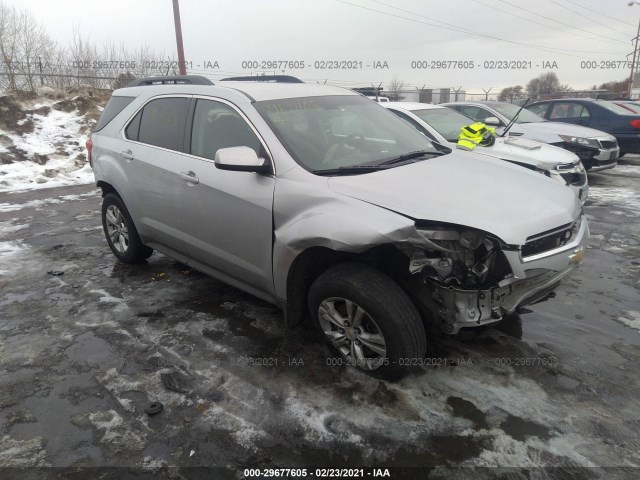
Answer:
(471, 190)
(522, 150)
(561, 128)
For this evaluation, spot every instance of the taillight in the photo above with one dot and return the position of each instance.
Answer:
(89, 146)
(635, 123)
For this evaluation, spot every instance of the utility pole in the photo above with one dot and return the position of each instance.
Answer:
(486, 93)
(635, 51)
(176, 20)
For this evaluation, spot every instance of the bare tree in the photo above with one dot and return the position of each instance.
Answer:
(33, 44)
(546, 84)
(511, 93)
(396, 88)
(8, 46)
(29, 57)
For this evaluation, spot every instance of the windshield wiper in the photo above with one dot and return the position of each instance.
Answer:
(410, 156)
(367, 168)
(514, 119)
(350, 170)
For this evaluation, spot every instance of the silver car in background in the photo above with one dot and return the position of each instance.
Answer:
(321, 201)
(443, 125)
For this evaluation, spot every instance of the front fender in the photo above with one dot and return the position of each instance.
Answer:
(341, 224)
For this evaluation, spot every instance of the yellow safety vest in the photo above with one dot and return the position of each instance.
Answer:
(476, 134)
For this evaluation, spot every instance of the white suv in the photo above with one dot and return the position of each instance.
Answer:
(321, 201)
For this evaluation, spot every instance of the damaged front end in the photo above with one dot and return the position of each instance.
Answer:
(461, 277)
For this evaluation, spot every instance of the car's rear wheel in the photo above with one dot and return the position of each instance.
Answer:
(368, 319)
(121, 232)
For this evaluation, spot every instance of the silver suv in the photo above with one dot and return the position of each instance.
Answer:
(319, 200)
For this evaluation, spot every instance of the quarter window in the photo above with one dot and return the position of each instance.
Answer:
(217, 125)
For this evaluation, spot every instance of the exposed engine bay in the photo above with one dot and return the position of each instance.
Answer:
(462, 278)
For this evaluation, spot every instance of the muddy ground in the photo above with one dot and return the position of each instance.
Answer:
(84, 341)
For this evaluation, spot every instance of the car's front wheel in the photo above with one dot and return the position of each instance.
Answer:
(368, 319)
(121, 232)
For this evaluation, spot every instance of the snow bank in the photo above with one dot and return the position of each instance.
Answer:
(51, 154)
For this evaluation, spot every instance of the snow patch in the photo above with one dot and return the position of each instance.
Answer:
(621, 197)
(23, 453)
(58, 139)
(631, 319)
(9, 249)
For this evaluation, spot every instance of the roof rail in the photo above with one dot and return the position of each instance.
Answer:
(170, 80)
(265, 78)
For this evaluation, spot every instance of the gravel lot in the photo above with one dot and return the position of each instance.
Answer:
(84, 341)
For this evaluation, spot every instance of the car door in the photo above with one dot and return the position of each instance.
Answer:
(155, 141)
(569, 112)
(226, 215)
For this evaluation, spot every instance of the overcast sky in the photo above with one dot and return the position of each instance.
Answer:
(397, 32)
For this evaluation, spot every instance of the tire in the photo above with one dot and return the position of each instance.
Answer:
(121, 233)
(378, 313)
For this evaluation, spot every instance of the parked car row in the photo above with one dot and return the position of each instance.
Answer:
(443, 125)
(611, 117)
(329, 205)
(596, 149)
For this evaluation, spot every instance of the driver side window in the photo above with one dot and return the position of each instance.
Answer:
(217, 125)
(539, 109)
(476, 113)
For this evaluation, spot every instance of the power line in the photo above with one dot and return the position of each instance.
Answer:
(588, 18)
(540, 23)
(458, 29)
(561, 23)
(600, 13)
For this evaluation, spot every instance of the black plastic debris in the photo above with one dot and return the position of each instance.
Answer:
(153, 408)
(170, 384)
(55, 273)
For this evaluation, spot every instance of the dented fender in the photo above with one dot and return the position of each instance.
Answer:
(306, 218)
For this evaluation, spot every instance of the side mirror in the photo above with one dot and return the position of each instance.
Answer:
(492, 121)
(241, 159)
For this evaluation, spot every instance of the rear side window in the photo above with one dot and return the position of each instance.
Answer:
(162, 123)
(568, 110)
(113, 108)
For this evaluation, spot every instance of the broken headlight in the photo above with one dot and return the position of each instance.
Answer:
(584, 142)
(461, 258)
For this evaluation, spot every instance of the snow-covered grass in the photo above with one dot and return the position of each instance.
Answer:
(58, 135)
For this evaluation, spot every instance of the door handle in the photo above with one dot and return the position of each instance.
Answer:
(190, 177)
(128, 154)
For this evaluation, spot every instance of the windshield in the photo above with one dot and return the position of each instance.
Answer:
(445, 121)
(332, 132)
(509, 110)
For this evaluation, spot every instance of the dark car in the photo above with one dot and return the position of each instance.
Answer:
(621, 122)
